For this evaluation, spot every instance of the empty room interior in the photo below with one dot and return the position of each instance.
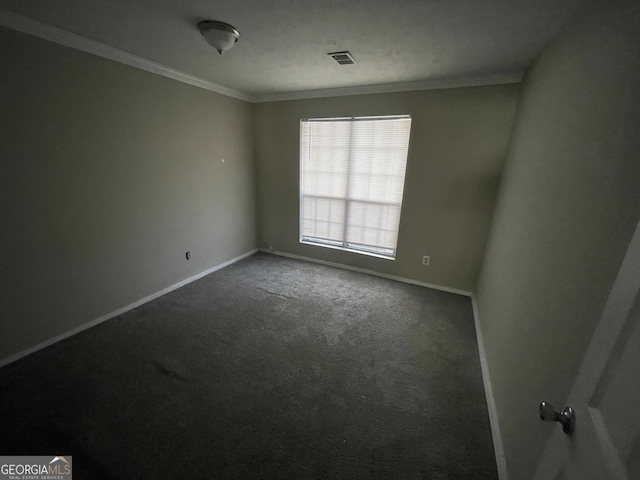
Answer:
(321, 239)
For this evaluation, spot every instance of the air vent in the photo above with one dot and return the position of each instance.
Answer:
(343, 58)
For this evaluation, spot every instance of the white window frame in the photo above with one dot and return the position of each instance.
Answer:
(371, 250)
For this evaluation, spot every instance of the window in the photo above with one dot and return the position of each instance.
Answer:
(351, 182)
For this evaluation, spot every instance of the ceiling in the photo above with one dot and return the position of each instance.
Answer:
(284, 43)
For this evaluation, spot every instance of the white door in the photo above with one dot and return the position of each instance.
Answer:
(606, 393)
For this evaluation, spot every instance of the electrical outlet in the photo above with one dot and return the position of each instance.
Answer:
(425, 260)
(188, 255)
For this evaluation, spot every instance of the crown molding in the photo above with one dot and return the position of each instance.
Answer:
(62, 37)
(436, 84)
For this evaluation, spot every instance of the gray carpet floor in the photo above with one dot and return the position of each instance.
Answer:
(269, 368)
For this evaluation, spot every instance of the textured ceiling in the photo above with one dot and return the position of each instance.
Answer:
(283, 43)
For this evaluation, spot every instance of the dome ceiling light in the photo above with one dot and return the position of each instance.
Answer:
(219, 35)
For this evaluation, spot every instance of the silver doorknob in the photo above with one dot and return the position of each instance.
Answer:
(566, 416)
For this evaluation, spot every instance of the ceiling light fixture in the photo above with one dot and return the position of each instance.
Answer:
(219, 35)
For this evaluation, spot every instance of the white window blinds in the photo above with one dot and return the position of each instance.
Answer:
(352, 180)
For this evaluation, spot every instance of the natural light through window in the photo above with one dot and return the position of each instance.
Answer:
(352, 174)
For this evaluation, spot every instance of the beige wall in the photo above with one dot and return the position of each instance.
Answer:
(569, 201)
(109, 174)
(457, 149)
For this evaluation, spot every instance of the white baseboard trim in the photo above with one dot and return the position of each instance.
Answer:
(120, 311)
(369, 272)
(491, 404)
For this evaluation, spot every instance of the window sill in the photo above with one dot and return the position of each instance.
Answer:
(347, 249)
